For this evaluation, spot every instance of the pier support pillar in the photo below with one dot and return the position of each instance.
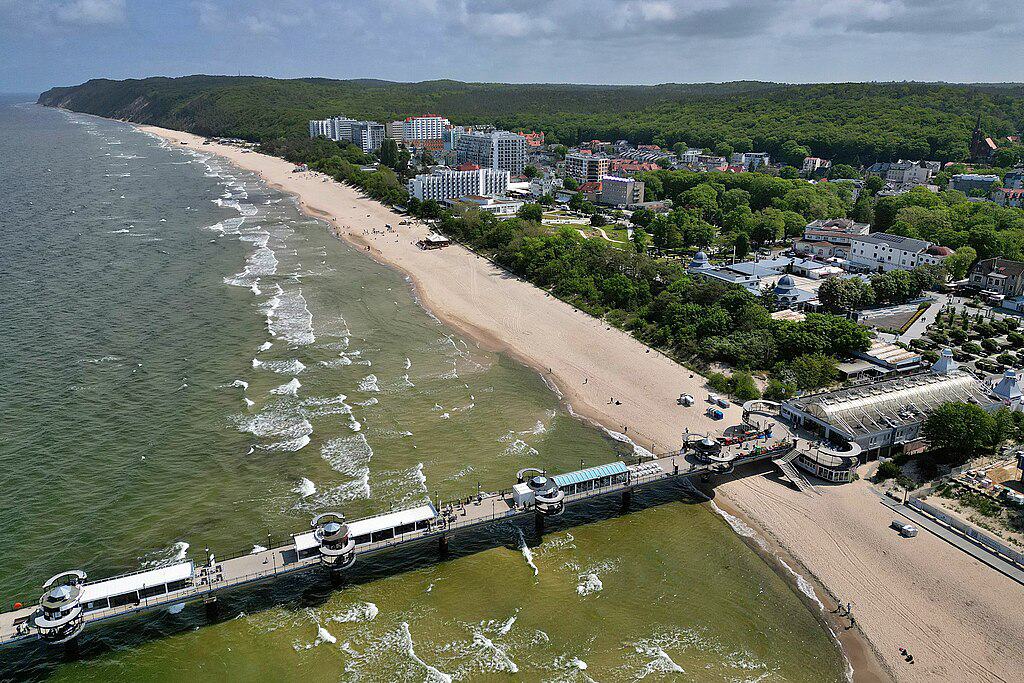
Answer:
(442, 545)
(212, 608)
(538, 522)
(627, 497)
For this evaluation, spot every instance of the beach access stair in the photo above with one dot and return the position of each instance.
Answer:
(785, 464)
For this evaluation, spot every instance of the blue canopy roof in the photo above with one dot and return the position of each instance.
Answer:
(612, 468)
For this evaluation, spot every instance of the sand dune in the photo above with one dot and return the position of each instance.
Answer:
(961, 620)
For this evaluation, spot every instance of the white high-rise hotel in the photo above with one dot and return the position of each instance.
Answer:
(500, 150)
(429, 127)
(446, 184)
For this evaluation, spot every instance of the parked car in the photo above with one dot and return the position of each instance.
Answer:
(722, 403)
(905, 530)
(685, 400)
(715, 414)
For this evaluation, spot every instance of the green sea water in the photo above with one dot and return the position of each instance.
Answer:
(188, 362)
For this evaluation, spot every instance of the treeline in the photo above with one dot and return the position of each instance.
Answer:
(854, 122)
(696, 320)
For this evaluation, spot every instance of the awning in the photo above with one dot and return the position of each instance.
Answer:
(361, 527)
(611, 469)
(119, 585)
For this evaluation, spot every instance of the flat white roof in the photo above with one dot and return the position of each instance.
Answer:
(120, 585)
(390, 520)
(305, 541)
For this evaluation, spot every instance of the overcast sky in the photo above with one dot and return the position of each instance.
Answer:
(63, 42)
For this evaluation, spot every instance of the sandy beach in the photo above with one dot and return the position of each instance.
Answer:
(961, 620)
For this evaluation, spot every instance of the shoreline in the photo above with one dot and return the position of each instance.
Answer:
(449, 282)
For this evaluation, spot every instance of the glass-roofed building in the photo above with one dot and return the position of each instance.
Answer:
(884, 416)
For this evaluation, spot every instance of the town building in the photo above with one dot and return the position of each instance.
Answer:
(617, 191)
(444, 184)
(1009, 197)
(338, 128)
(367, 135)
(450, 137)
(999, 275)
(882, 418)
(982, 148)
(976, 182)
(750, 160)
(691, 155)
(814, 164)
(910, 173)
(1014, 180)
(830, 237)
(500, 150)
(627, 166)
(881, 251)
(586, 168)
(544, 185)
(495, 205)
(591, 191)
(533, 139)
(426, 132)
(393, 130)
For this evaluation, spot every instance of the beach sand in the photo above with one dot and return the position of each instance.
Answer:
(961, 620)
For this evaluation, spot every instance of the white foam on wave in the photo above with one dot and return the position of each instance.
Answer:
(305, 488)
(322, 636)
(288, 317)
(589, 584)
(281, 367)
(433, 673)
(527, 553)
(803, 585)
(238, 383)
(408, 364)
(351, 456)
(265, 346)
(638, 450)
(502, 661)
(289, 389)
(369, 383)
(358, 613)
(176, 552)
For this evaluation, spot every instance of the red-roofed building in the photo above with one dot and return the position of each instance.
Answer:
(631, 166)
(653, 148)
(467, 167)
(533, 139)
(590, 191)
(1009, 197)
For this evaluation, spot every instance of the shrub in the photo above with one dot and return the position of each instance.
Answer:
(888, 470)
(989, 345)
(718, 382)
(971, 348)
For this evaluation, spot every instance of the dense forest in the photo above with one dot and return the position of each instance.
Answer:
(852, 122)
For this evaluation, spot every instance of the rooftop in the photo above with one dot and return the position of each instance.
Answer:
(893, 241)
(862, 410)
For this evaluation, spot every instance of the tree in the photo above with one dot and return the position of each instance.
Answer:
(793, 153)
(843, 171)
(642, 217)
(842, 295)
(742, 387)
(570, 184)
(957, 432)
(724, 149)
(789, 172)
(531, 171)
(531, 212)
(741, 244)
(389, 153)
(958, 263)
(814, 370)
(427, 159)
(873, 184)
(598, 220)
(641, 240)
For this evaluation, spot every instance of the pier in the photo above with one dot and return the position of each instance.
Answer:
(71, 601)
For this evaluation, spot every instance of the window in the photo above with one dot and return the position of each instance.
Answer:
(96, 604)
(152, 591)
(364, 538)
(383, 535)
(125, 599)
(405, 528)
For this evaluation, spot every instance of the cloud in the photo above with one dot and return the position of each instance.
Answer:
(91, 12)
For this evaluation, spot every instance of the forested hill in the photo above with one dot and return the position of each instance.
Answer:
(852, 122)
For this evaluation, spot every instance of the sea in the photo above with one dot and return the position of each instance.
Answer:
(190, 365)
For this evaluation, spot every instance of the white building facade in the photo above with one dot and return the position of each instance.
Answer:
(883, 252)
(429, 127)
(443, 184)
(499, 150)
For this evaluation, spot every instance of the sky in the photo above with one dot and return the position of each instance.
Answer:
(44, 43)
